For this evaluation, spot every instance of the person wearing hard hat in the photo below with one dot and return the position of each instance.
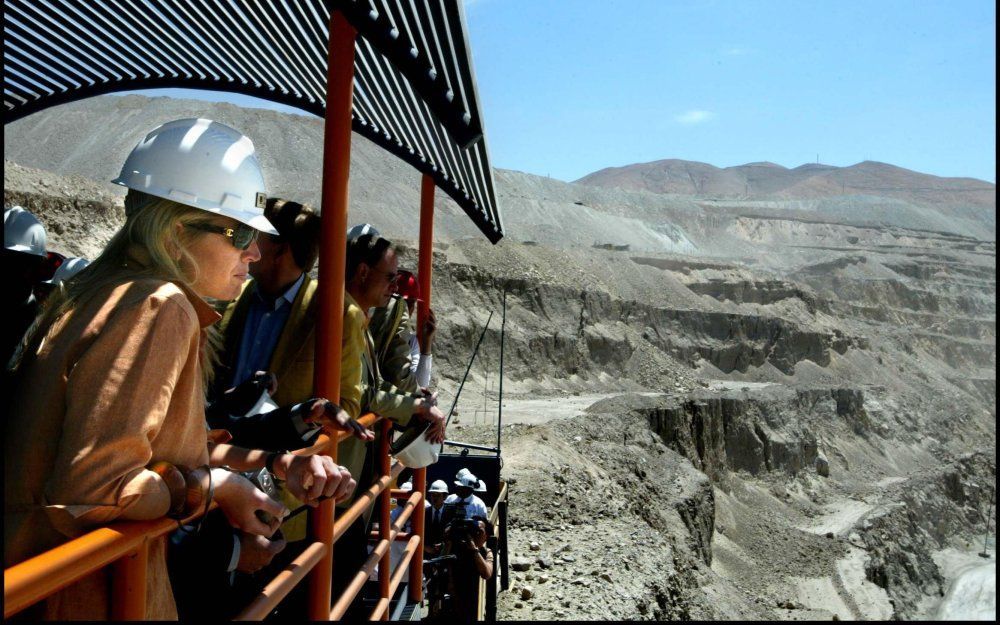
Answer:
(107, 419)
(407, 488)
(397, 349)
(434, 517)
(359, 230)
(474, 561)
(370, 273)
(464, 497)
(405, 357)
(67, 268)
(23, 255)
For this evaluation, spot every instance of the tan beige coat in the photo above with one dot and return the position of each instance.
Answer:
(115, 385)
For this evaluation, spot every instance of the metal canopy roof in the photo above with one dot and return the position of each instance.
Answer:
(414, 91)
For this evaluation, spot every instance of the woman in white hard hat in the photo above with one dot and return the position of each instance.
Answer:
(107, 421)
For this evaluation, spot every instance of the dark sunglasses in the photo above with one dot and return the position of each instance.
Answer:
(242, 236)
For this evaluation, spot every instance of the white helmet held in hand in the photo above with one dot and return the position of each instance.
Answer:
(22, 232)
(413, 450)
(200, 163)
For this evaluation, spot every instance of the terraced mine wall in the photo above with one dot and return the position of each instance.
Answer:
(575, 331)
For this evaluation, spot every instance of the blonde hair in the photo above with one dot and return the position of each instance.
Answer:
(149, 244)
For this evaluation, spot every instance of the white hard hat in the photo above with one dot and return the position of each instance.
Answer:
(414, 450)
(361, 230)
(69, 268)
(22, 232)
(461, 472)
(407, 486)
(438, 486)
(481, 487)
(468, 479)
(200, 163)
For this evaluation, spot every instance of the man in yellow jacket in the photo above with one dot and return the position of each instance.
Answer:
(271, 327)
(370, 280)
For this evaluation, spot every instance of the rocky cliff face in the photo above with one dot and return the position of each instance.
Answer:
(934, 507)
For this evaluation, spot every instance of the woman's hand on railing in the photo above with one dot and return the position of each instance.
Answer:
(240, 500)
(328, 414)
(311, 477)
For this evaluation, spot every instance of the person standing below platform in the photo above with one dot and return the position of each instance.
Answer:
(464, 496)
(434, 518)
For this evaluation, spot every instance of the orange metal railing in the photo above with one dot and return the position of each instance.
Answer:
(124, 546)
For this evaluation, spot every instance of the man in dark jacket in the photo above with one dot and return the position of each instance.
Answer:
(434, 518)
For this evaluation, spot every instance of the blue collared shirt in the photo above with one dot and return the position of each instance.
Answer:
(265, 322)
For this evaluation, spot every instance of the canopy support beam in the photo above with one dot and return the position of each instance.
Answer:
(332, 263)
(424, 271)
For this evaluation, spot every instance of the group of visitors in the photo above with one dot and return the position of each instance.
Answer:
(456, 526)
(177, 367)
(31, 272)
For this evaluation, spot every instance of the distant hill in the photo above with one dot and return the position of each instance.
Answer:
(683, 207)
(768, 181)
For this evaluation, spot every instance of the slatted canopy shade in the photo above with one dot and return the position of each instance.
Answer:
(414, 91)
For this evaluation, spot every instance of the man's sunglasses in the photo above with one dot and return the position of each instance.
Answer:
(242, 236)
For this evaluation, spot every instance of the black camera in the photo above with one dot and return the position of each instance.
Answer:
(463, 529)
(451, 511)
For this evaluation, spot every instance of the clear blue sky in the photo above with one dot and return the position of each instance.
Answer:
(571, 86)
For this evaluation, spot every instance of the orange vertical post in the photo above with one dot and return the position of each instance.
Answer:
(424, 267)
(384, 565)
(128, 586)
(416, 572)
(424, 272)
(332, 262)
